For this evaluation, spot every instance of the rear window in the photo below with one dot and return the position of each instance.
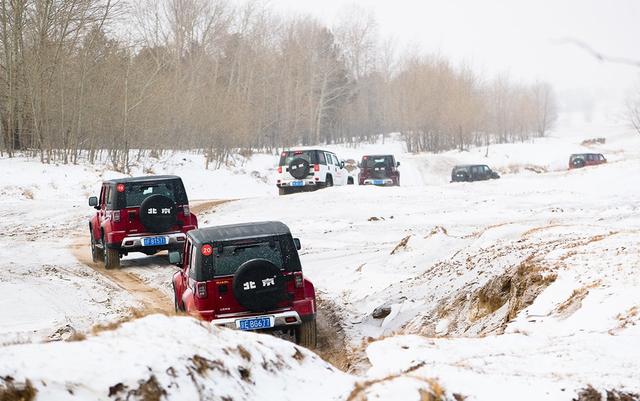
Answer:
(370, 161)
(309, 155)
(136, 193)
(575, 157)
(234, 256)
(457, 170)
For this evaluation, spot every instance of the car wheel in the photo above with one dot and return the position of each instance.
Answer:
(111, 259)
(97, 254)
(307, 334)
(329, 182)
(350, 181)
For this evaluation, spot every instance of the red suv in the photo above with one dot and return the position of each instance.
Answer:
(379, 170)
(140, 214)
(248, 277)
(586, 159)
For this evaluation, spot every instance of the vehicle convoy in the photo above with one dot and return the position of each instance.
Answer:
(140, 214)
(309, 169)
(379, 170)
(473, 172)
(246, 276)
(579, 160)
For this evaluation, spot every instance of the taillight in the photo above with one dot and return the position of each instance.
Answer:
(297, 278)
(185, 210)
(116, 216)
(316, 167)
(201, 290)
(279, 169)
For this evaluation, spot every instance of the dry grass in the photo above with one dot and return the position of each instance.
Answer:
(131, 316)
(10, 390)
(147, 390)
(401, 245)
(591, 394)
(593, 141)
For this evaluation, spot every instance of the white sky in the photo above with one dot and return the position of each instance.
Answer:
(517, 37)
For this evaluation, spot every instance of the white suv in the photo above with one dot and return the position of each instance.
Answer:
(308, 169)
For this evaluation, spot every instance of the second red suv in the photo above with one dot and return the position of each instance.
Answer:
(248, 277)
(379, 170)
(140, 214)
(586, 159)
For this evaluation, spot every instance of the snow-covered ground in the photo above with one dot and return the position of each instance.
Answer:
(520, 288)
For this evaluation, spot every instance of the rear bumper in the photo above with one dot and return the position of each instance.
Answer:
(307, 183)
(385, 181)
(134, 243)
(280, 319)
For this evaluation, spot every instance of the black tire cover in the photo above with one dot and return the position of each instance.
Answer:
(299, 168)
(259, 286)
(158, 213)
(379, 170)
(579, 162)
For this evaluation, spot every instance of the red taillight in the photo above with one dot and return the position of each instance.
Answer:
(279, 169)
(290, 319)
(120, 187)
(206, 250)
(298, 280)
(186, 210)
(316, 167)
(201, 290)
(116, 216)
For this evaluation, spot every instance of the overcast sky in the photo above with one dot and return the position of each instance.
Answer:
(513, 36)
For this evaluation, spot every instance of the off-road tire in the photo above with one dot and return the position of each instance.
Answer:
(350, 181)
(111, 259)
(307, 334)
(97, 254)
(329, 181)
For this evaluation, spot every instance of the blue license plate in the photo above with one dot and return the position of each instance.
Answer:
(297, 184)
(256, 323)
(154, 241)
(378, 182)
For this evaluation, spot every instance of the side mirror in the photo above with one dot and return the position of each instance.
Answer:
(342, 164)
(175, 258)
(93, 201)
(397, 164)
(298, 244)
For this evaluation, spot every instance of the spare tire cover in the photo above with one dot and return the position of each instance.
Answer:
(579, 162)
(379, 170)
(258, 285)
(158, 213)
(299, 168)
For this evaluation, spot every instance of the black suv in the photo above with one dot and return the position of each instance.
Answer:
(472, 172)
(379, 170)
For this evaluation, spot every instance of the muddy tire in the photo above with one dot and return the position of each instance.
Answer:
(307, 334)
(111, 259)
(329, 181)
(97, 254)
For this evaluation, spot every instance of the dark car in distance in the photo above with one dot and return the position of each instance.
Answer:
(579, 160)
(473, 172)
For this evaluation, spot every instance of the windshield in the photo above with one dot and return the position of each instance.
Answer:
(136, 193)
(233, 256)
(370, 161)
(308, 155)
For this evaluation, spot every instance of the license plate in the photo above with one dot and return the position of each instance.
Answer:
(297, 184)
(255, 323)
(154, 241)
(378, 182)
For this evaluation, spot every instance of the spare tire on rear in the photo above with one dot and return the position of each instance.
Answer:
(299, 168)
(259, 285)
(158, 213)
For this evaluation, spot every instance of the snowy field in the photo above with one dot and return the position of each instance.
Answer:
(521, 288)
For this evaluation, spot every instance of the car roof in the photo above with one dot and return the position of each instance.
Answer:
(238, 231)
(584, 154)
(388, 155)
(468, 165)
(306, 149)
(142, 179)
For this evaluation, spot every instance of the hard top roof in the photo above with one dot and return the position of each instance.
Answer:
(238, 231)
(142, 179)
(374, 156)
(584, 154)
(468, 165)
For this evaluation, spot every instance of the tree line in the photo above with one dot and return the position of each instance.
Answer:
(82, 77)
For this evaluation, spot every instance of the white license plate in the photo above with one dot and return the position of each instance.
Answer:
(256, 323)
(297, 184)
(154, 241)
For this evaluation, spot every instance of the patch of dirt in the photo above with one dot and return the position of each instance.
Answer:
(203, 207)
(332, 342)
(591, 394)
(10, 390)
(152, 299)
(574, 302)
(147, 390)
(401, 245)
(594, 141)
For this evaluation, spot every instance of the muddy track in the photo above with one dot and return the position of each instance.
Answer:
(152, 299)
